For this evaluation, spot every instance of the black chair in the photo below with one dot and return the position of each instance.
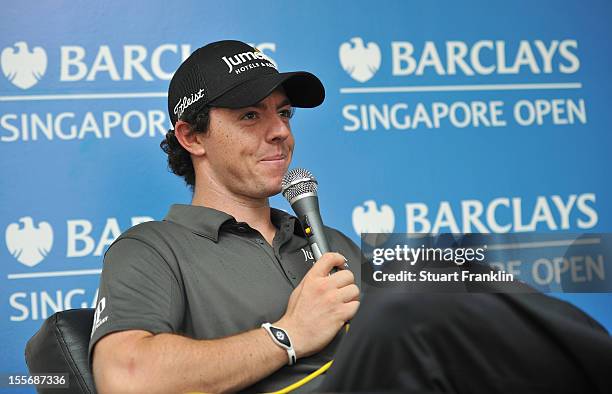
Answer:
(61, 346)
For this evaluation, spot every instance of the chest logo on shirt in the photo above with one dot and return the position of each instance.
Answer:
(308, 255)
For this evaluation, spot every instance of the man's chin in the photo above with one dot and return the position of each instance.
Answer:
(272, 182)
(275, 190)
(267, 190)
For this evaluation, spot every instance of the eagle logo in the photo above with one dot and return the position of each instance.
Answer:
(373, 225)
(359, 61)
(23, 68)
(372, 220)
(27, 243)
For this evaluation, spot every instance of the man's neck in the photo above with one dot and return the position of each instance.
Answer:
(254, 212)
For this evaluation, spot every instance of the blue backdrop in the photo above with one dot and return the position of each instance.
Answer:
(439, 116)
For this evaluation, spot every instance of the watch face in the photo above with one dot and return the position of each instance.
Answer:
(280, 336)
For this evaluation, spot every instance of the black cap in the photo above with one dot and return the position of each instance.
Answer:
(232, 74)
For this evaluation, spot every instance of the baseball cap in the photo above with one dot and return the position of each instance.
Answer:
(232, 74)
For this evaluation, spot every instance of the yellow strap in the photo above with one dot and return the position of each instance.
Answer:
(305, 380)
(295, 385)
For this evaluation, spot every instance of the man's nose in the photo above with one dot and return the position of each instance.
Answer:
(278, 129)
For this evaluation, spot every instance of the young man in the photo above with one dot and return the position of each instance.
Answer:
(183, 301)
(221, 296)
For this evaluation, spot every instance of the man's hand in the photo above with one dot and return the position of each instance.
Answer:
(320, 305)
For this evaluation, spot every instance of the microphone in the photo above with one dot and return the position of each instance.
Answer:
(299, 187)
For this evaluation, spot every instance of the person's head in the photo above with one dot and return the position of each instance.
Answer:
(230, 109)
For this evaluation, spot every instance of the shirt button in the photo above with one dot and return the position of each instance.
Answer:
(242, 229)
(260, 241)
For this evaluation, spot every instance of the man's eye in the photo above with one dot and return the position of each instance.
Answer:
(250, 115)
(287, 113)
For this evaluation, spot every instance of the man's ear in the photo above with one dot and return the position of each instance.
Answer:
(188, 139)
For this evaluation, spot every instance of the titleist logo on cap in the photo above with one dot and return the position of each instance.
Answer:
(243, 57)
(185, 102)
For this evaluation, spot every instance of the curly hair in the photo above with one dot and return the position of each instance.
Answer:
(179, 159)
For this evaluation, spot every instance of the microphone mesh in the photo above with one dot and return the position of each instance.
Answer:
(298, 181)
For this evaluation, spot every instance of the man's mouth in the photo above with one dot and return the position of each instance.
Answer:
(274, 158)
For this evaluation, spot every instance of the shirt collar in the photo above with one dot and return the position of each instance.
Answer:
(282, 220)
(207, 222)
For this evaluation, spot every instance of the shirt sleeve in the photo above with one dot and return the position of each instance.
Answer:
(138, 291)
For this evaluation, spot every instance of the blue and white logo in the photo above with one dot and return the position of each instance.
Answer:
(360, 61)
(23, 68)
(368, 218)
(28, 243)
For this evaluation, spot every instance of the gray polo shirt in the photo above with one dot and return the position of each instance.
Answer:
(201, 274)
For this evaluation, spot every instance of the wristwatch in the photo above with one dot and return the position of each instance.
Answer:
(281, 338)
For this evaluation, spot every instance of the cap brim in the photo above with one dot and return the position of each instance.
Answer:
(303, 89)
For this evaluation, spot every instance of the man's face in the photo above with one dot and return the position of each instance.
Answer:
(248, 150)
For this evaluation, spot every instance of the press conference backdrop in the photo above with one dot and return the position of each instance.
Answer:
(444, 116)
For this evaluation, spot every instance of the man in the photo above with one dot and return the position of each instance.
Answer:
(182, 301)
(221, 295)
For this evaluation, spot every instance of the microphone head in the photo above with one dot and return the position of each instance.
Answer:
(297, 182)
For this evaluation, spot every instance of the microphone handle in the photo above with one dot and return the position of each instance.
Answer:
(307, 210)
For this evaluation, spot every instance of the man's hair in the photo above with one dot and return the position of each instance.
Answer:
(179, 159)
